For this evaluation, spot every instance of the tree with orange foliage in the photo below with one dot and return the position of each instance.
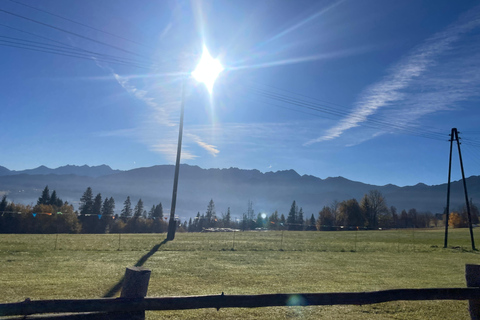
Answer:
(455, 220)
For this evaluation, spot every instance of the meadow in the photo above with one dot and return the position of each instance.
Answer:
(90, 266)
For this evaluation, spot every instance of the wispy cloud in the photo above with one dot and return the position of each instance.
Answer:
(208, 147)
(422, 67)
(162, 115)
(159, 132)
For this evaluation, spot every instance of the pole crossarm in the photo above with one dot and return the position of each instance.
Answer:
(29, 307)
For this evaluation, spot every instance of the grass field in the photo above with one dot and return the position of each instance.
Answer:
(89, 266)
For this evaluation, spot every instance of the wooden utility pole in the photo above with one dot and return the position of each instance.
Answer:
(172, 224)
(454, 137)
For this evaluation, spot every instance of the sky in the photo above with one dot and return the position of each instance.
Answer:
(366, 90)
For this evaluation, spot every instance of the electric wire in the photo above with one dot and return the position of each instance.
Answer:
(378, 124)
(71, 33)
(62, 54)
(68, 49)
(470, 157)
(104, 57)
(80, 23)
(346, 112)
(439, 132)
(69, 45)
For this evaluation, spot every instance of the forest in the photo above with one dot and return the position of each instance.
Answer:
(96, 214)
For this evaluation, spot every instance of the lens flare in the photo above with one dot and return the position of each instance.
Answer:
(207, 70)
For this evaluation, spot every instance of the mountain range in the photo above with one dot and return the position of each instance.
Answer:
(229, 188)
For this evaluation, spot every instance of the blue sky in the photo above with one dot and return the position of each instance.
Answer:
(367, 90)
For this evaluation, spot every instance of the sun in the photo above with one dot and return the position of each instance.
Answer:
(207, 70)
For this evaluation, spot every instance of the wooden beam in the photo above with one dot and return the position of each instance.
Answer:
(235, 301)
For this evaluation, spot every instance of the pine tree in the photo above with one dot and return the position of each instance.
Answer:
(111, 206)
(210, 214)
(158, 213)
(3, 203)
(227, 219)
(151, 212)
(45, 197)
(274, 221)
(86, 202)
(127, 209)
(97, 204)
(53, 198)
(300, 220)
(311, 223)
(292, 216)
(105, 207)
(138, 209)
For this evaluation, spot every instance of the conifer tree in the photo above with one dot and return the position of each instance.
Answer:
(86, 202)
(151, 212)
(138, 209)
(111, 206)
(45, 197)
(3, 203)
(158, 213)
(227, 219)
(300, 221)
(311, 224)
(127, 209)
(209, 215)
(292, 216)
(97, 204)
(105, 207)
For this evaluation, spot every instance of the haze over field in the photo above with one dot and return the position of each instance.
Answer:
(227, 187)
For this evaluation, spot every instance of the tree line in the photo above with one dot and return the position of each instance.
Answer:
(96, 214)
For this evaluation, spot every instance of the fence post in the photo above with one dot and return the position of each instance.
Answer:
(472, 275)
(135, 286)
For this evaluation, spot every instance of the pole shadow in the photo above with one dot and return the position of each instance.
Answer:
(116, 288)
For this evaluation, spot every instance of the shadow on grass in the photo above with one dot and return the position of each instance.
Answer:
(116, 288)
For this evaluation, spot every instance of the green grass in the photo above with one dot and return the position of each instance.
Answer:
(87, 266)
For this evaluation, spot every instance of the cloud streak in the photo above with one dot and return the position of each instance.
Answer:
(159, 132)
(400, 85)
(208, 147)
(161, 115)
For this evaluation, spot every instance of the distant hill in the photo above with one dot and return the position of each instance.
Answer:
(231, 187)
(94, 171)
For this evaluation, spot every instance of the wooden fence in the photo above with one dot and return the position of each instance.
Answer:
(132, 303)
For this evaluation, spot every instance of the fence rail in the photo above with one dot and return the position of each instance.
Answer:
(135, 286)
(235, 301)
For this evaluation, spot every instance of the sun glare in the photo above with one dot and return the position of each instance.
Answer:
(207, 70)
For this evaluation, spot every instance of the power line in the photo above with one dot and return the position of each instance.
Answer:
(133, 62)
(71, 33)
(85, 57)
(378, 124)
(69, 49)
(347, 113)
(79, 23)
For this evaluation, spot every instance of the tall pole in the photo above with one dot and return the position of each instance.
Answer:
(448, 188)
(172, 224)
(466, 194)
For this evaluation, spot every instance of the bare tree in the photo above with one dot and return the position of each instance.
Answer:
(378, 206)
